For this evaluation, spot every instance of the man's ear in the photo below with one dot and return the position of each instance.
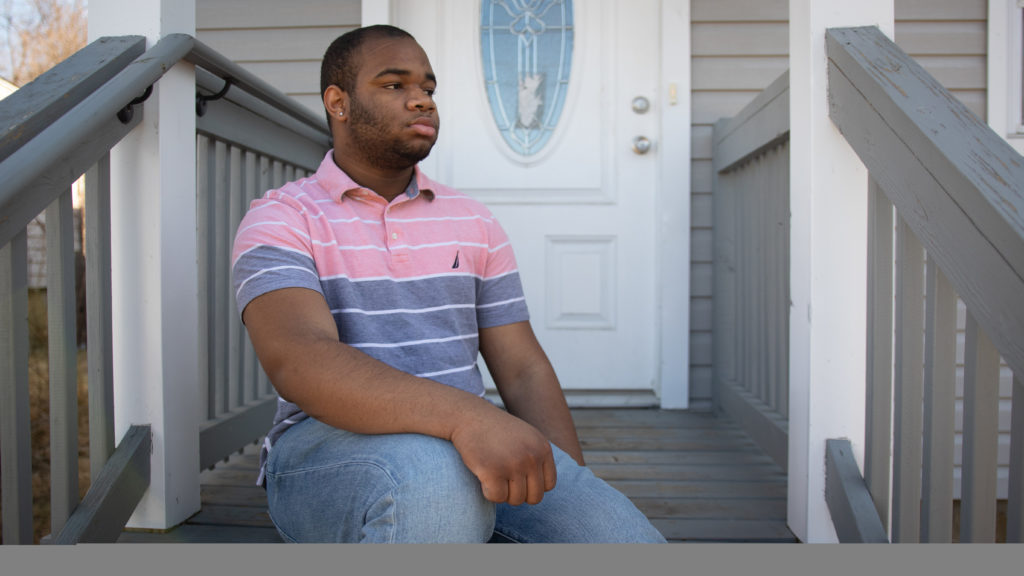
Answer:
(336, 102)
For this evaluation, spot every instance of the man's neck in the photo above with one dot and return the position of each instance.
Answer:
(386, 183)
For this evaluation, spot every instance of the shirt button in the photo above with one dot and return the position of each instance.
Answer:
(394, 235)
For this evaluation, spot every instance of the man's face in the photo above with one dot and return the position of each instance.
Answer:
(392, 117)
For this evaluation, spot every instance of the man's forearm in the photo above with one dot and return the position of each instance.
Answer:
(542, 404)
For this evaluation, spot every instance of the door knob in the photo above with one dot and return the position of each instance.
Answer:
(641, 145)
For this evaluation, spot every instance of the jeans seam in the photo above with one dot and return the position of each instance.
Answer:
(296, 472)
(387, 473)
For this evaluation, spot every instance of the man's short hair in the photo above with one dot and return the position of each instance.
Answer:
(341, 63)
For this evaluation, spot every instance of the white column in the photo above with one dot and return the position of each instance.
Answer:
(376, 12)
(153, 261)
(674, 206)
(828, 244)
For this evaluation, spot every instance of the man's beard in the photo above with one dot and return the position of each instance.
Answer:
(369, 130)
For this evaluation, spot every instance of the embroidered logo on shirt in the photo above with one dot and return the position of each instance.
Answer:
(456, 263)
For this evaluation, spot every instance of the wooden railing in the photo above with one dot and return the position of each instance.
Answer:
(958, 193)
(56, 129)
(751, 274)
(945, 298)
(245, 147)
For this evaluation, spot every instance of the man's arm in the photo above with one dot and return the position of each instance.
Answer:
(296, 340)
(527, 383)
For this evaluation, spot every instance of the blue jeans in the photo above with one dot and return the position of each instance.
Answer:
(329, 485)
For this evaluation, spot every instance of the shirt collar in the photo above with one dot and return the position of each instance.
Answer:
(338, 184)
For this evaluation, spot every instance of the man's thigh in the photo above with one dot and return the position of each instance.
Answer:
(581, 508)
(330, 485)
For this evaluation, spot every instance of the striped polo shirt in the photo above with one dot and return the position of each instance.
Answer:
(409, 282)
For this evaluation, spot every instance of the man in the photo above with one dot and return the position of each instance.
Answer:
(368, 291)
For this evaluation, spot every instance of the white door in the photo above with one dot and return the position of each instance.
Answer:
(581, 212)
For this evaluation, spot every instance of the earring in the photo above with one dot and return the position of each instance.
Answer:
(340, 114)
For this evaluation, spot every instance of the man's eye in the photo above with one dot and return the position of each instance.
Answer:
(430, 91)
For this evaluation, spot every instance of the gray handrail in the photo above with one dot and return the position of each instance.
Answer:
(206, 57)
(32, 108)
(61, 142)
(905, 126)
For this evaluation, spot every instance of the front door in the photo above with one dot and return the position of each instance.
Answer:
(578, 202)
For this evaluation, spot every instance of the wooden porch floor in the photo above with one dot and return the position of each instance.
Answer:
(698, 477)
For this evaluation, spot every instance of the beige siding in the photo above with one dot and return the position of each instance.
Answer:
(740, 46)
(281, 42)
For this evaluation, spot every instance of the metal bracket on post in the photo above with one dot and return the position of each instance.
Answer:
(201, 100)
(125, 114)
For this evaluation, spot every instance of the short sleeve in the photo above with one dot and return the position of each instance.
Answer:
(272, 250)
(500, 299)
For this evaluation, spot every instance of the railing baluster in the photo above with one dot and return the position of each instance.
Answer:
(204, 162)
(63, 364)
(772, 271)
(1015, 501)
(782, 240)
(760, 262)
(939, 407)
(277, 174)
(756, 255)
(743, 269)
(15, 429)
(980, 436)
(234, 336)
(250, 366)
(906, 522)
(99, 333)
(878, 413)
(218, 277)
(267, 181)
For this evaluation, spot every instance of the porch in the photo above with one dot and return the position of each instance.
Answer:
(697, 476)
(189, 390)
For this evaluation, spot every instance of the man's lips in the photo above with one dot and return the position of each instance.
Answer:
(424, 126)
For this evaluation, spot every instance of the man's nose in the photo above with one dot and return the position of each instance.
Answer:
(421, 100)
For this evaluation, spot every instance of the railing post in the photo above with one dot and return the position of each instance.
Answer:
(153, 265)
(828, 239)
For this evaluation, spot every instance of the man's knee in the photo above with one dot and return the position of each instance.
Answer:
(437, 499)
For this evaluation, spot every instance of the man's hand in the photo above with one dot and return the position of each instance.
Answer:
(511, 458)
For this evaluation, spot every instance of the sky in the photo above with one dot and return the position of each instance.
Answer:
(16, 9)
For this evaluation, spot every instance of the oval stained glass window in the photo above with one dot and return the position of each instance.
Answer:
(527, 55)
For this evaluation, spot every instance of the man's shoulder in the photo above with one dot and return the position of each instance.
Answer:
(299, 195)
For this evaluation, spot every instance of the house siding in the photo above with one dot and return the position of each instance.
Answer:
(280, 42)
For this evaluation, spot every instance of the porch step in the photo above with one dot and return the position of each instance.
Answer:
(698, 477)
